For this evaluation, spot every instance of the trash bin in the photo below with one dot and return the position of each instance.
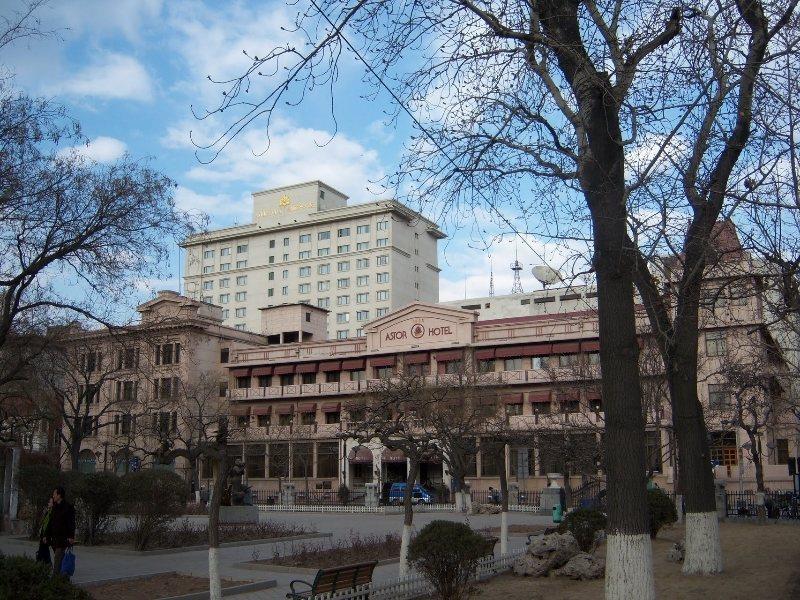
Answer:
(558, 513)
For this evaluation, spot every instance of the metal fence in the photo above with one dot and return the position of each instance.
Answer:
(777, 504)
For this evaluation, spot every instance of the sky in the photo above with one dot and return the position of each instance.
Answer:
(135, 74)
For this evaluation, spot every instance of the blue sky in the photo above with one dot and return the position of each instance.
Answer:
(130, 70)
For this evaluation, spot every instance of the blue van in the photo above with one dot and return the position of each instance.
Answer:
(419, 495)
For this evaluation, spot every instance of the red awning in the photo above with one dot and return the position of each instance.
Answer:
(487, 401)
(284, 409)
(354, 364)
(240, 411)
(419, 358)
(512, 398)
(393, 456)
(590, 346)
(593, 395)
(331, 407)
(331, 365)
(566, 348)
(284, 369)
(484, 354)
(383, 361)
(527, 350)
(360, 455)
(449, 355)
(306, 368)
(262, 410)
(568, 396)
(260, 371)
(539, 396)
(240, 372)
(307, 408)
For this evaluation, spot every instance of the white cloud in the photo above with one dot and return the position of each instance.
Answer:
(113, 76)
(97, 19)
(218, 207)
(102, 149)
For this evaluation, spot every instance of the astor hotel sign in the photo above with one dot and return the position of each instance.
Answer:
(285, 206)
(417, 331)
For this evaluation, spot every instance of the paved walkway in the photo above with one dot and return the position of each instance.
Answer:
(94, 564)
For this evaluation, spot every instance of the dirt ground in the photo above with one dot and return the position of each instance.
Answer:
(157, 586)
(517, 529)
(761, 561)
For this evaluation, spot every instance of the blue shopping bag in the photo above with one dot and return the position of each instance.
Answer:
(68, 563)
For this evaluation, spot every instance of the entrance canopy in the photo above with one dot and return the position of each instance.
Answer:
(360, 455)
(393, 456)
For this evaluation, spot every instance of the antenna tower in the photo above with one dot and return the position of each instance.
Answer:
(516, 266)
(491, 277)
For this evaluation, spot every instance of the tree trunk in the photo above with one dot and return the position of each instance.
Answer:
(761, 510)
(74, 453)
(503, 506)
(408, 518)
(214, 581)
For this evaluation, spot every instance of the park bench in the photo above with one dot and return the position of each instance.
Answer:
(335, 579)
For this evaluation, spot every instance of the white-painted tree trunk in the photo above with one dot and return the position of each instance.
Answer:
(679, 507)
(703, 550)
(405, 540)
(459, 497)
(503, 532)
(629, 568)
(214, 583)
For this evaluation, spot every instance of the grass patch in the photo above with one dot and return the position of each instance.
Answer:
(325, 554)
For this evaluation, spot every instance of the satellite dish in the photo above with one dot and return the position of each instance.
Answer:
(546, 275)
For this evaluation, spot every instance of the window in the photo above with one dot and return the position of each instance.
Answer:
(263, 420)
(308, 378)
(343, 232)
(382, 295)
(343, 317)
(781, 451)
(270, 292)
(652, 451)
(284, 258)
(419, 370)
(304, 254)
(718, 396)
(453, 367)
(208, 299)
(239, 326)
(208, 254)
(359, 332)
(285, 420)
(343, 248)
(343, 300)
(323, 286)
(241, 264)
(255, 459)
(383, 277)
(165, 387)
(362, 298)
(324, 235)
(358, 375)
(224, 251)
(271, 260)
(382, 311)
(333, 376)
(285, 242)
(241, 312)
(223, 283)
(241, 296)
(241, 248)
(241, 280)
(243, 383)
(285, 290)
(225, 313)
(362, 246)
(323, 251)
(225, 267)
(224, 355)
(384, 372)
(539, 362)
(223, 388)
(304, 271)
(303, 457)
(342, 334)
(513, 409)
(224, 298)
(208, 285)
(343, 265)
(343, 283)
(382, 242)
(513, 364)
(304, 288)
(362, 263)
(362, 229)
(715, 343)
(305, 238)
(382, 261)
(208, 269)
(593, 358)
(285, 274)
(486, 366)
(264, 380)
(287, 379)
(722, 448)
(271, 276)
(272, 243)
(324, 302)
(362, 280)
(168, 354)
(567, 360)
(279, 454)
(383, 225)
(324, 269)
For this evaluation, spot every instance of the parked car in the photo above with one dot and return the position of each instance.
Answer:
(419, 495)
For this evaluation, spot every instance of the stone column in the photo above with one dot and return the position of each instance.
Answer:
(513, 493)
(287, 494)
(719, 496)
(371, 496)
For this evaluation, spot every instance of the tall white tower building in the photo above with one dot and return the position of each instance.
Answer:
(306, 245)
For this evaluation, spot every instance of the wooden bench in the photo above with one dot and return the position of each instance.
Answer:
(334, 579)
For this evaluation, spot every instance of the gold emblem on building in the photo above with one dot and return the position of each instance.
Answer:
(284, 200)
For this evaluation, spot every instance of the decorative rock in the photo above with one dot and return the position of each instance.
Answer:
(545, 553)
(485, 509)
(676, 553)
(582, 566)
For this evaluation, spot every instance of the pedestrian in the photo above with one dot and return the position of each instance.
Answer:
(494, 495)
(43, 553)
(60, 531)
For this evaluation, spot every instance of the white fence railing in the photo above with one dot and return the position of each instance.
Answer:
(416, 585)
(383, 510)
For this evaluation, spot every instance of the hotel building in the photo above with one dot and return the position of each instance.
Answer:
(306, 245)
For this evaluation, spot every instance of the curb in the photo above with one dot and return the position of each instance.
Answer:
(229, 591)
(160, 551)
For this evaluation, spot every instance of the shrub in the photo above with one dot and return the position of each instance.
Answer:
(661, 510)
(36, 483)
(152, 498)
(446, 553)
(95, 495)
(344, 494)
(583, 524)
(22, 577)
